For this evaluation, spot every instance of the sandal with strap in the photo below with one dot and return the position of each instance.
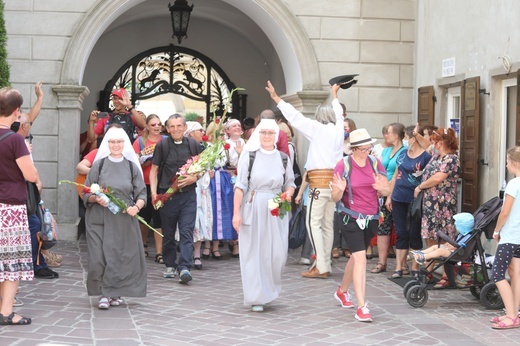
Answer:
(146, 250)
(497, 319)
(104, 303)
(159, 258)
(406, 271)
(503, 325)
(442, 283)
(216, 255)
(8, 320)
(206, 253)
(397, 274)
(379, 268)
(116, 301)
(198, 265)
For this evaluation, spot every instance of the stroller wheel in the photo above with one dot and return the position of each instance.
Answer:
(417, 297)
(408, 285)
(475, 291)
(490, 297)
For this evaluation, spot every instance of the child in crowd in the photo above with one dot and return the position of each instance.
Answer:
(464, 223)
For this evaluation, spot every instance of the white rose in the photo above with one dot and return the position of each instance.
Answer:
(271, 204)
(95, 189)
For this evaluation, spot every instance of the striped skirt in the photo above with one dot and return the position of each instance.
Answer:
(15, 244)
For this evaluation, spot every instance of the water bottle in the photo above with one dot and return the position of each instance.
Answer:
(502, 190)
(110, 205)
(47, 220)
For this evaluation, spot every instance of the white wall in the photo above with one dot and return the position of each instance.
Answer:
(475, 33)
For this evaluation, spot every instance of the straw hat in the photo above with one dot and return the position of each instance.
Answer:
(360, 137)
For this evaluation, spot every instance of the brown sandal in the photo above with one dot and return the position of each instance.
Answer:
(379, 268)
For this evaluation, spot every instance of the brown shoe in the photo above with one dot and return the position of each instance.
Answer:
(335, 253)
(314, 273)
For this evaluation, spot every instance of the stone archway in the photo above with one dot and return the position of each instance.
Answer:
(282, 28)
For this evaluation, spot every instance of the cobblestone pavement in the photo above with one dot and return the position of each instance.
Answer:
(209, 311)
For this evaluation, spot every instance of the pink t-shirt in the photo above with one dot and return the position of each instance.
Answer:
(364, 196)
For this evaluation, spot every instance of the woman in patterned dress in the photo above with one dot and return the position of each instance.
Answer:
(204, 220)
(17, 167)
(439, 182)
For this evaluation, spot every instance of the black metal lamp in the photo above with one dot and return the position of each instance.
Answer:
(180, 12)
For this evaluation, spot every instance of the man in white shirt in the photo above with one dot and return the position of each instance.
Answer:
(325, 134)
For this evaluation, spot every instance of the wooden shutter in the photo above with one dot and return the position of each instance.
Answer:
(426, 106)
(469, 140)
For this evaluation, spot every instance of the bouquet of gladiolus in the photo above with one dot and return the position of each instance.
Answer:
(280, 205)
(200, 164)
(114, 204)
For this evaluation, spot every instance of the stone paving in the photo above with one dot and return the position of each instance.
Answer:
(209, 311)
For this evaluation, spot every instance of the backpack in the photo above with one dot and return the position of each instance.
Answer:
(165, 148)
(43, 242)
(125, 121)
(103, 162)
(297, 228)
(252, 156)
(347, 162)
(296, 169)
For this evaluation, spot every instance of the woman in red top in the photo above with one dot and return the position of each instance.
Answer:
(144, 147)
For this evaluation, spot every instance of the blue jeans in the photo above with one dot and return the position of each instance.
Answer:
(181, 211)
(34, 227)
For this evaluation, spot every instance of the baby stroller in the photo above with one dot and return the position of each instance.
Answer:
(461, 269)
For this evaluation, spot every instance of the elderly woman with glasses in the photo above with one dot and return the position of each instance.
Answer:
(144, 147)
(116, 262)
(263, 236)
(356, 182)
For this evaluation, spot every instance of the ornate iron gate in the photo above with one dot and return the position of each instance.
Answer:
(177, 70)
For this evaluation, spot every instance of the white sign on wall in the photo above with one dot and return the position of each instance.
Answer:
(448, 67)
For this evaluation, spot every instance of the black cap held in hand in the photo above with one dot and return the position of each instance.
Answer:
(345, 81)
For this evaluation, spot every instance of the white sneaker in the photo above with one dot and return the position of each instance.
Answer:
(170, 273)
(305, 261)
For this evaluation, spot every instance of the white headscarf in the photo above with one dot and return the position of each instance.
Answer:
(192, 126)
(229, 123)
(253, 143)
(128, 150)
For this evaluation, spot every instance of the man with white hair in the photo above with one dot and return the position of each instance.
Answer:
(325, 134)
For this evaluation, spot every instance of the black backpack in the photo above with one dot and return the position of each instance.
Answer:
(296, 169)
(125, 121)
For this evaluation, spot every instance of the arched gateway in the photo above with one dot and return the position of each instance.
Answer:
(282, 28)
